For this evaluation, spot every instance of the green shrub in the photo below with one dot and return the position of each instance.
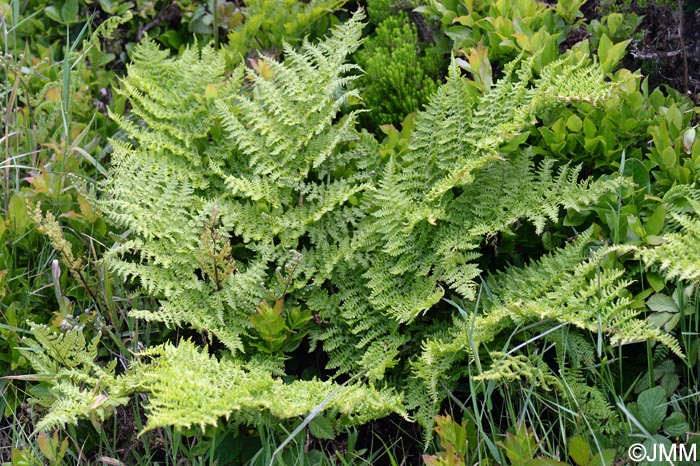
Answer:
(505, 27)
(267, 24)
(399, 77)
(380, 10)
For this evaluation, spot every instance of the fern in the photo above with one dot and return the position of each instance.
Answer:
(243, 189)
(76, 387)
(516, 367)
(589, 401)
(679, 255)
(427, 204)
(188, 387)
(279, 138)
(564, 287)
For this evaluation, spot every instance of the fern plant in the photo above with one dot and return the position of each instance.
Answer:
(259, 216)
(566, 288)
(247, 170)
(678, 256)
(431, 208)
(76, 387)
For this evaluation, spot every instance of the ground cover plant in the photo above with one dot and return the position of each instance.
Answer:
(221, 245)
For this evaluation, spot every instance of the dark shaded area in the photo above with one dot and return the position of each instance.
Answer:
(666, 47)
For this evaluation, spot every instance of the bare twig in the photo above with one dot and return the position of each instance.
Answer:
(656, 55)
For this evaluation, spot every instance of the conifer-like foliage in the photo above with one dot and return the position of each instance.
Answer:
(400, 72)
(258, 215)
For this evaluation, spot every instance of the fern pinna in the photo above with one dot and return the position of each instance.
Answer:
(259, 215)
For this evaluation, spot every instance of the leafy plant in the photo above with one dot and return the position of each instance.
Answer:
(581, 454)
(260, 27)
(50, 449)
(313, 194)
(616, 27)
(506, 28)
(454, 439)
(398, 77)
(262, 221)
(650, 418)
(521, 448)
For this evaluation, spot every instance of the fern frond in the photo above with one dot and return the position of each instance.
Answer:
(73, 403)
(679, 255)
(255, 166)
(567, 287)
(189, 387)
(511, 367)
(76, 386)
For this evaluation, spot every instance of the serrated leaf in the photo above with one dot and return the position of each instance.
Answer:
(603, 458)
(675, 425)
(579, 450)
(603, 46)
(668, 157)
(672, 322)
(662, 303)
(651, 406)
(322, 428)
(660, 319)
(674, 117)
(520, 446)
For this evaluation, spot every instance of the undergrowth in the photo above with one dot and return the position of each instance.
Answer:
(255, 234)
